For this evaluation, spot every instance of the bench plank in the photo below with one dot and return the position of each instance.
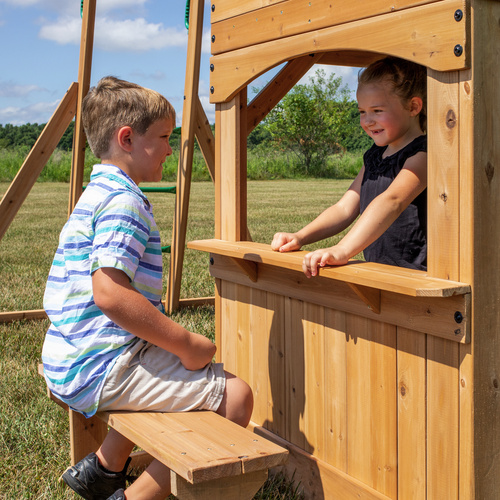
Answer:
(199, 446)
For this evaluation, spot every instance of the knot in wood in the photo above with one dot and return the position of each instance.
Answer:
(490, 171)
(403, 390)
(451, 119)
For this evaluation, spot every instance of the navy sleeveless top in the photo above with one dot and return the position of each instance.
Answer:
(404, 243)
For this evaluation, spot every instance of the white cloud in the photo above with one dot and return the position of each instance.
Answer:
(35, 113)
(349, 75)
(136, 35)
(65, 30)
(9, 89)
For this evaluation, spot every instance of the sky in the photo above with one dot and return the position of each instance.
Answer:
(144, 41)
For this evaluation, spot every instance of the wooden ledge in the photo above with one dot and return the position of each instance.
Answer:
(356, 274)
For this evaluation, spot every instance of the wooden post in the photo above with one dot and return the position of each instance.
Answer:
(84, 70)
(483, 263)
(231, 183)
(40, 153)
(189, 114)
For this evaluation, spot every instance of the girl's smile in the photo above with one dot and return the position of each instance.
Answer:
(384, 117)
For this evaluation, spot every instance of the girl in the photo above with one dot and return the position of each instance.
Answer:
(389, 193)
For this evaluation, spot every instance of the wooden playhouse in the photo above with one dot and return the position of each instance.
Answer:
(384, 383)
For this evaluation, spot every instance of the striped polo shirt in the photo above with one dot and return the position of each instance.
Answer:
(111, 226)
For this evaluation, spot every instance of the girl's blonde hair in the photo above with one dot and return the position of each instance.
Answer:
(408, 79)
(114, 103)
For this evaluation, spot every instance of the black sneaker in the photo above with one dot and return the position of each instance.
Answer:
(91, 481)
(117, 495)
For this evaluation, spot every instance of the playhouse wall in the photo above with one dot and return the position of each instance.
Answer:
(375, 406)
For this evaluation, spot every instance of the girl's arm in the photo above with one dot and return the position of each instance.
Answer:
(330, 222)
(377, 217)
(129, 309)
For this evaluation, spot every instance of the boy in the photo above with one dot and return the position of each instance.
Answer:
(110, 347)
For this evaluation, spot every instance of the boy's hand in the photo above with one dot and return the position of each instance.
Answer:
(199, 352)
(334, 256)
(285, 242)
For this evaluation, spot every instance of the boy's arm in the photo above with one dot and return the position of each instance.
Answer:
(377, 217)
(330, 222)
(129, 309)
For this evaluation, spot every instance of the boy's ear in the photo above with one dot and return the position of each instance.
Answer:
(416, 105)
(124, 136)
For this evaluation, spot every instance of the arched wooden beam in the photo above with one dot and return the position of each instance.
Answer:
(429, 35)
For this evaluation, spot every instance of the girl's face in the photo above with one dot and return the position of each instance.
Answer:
(384, 118)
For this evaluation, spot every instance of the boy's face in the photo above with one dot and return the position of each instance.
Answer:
(151, 151)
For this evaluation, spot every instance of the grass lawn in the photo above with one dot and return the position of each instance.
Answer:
(34, 439)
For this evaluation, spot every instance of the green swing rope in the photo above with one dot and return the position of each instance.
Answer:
(186, 14)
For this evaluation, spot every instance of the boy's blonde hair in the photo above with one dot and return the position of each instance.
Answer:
(407, 78)
(114, 103)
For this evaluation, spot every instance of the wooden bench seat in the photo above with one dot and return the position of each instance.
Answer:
(209, 456)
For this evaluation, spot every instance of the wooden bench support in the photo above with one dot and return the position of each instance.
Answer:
(243, 487)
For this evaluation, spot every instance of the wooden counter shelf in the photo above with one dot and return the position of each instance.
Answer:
(408, 297)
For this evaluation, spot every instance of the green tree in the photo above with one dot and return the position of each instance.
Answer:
(312, 119)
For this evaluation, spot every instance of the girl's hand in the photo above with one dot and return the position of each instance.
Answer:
(334, 256)
(285, 242)
(199, 352)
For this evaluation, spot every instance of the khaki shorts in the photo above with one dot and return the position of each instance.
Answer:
(148, 378)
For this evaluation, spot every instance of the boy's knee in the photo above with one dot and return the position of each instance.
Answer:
(237, 403)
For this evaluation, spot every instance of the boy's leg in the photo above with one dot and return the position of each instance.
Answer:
(237, 402)
(100, 474)
(114, 451)
(152, 484)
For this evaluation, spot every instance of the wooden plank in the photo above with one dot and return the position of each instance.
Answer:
(218, 305)
(258, 354)
(85, 435)
(218, 168)
(317, 479)
(33, 165)
(431, 315)
(356, 58)
(295, 17)
(277, 391)
(216, 447)
(370, 274)
(336, 389)
(484, 262)
(183, 188)
(224, 9)
(316, 398)
(242, 333)
(274, 91)
(442, 418)
(205, 137)
(443, 186)
(466, 215)
(430, 42)
(295, 373)
(411, 363)
(229, 326)
(371, 404)
(84, 72)
(9, 316)
(232, 179)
